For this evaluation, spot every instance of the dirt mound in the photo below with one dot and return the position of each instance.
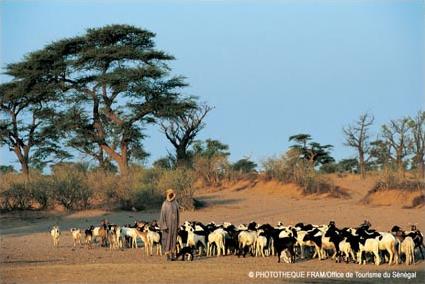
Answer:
(398, 197)
(273, 187)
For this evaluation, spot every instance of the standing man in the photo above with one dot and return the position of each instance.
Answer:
(169, 223)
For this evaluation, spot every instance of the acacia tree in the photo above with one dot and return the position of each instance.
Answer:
(357, 137)
(312, 152)
(27, 109)
(116, 82)
(417, 129)
(182, 130)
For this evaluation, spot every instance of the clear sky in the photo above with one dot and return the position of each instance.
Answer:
(271, 68)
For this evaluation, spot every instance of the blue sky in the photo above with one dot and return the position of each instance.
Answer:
(270, 68)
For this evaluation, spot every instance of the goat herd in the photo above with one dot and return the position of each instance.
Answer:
(360, 244)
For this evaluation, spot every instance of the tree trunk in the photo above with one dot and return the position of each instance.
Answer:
(362, 167)
(122, 166)
(121, 160)
(22, 160)
(421, 167)
(181, 156)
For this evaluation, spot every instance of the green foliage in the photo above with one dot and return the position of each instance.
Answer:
(27, 111)
(210, 148)
(126, 82)
(166, 163)
(348, 165)
(329, 168)
(244, 165)
(313, 152)
(343, 166)
(6, 169)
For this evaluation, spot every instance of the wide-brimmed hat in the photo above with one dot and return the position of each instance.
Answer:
(170, 194)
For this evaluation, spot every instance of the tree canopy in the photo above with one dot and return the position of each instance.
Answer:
(112, 82)
(312, 152)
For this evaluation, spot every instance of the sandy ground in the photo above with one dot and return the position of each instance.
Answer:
(27, 255)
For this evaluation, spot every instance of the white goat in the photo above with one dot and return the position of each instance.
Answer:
(370, 245)
(345, 248)
(408, 248)
(218, 238)
(55, 233)
(247, 239)
(76, 236)
(114, 237)
(260, 246)
(131, 233)
(193, 238)
(153, 238)
(388, 243)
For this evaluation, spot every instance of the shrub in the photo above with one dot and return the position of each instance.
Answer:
(418, 201)
(242, 169)
(290, 168)
(182, 181)
(103, 186)
(41, 189)
(137, 190)
(211, 170)
(17, 196)
(144, 199)
(274, 168)
(71, 187)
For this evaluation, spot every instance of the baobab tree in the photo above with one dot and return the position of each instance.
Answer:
(357, 137)
(396, 134)
(417, 129)
(181, 131)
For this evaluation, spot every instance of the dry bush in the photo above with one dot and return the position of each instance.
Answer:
(211, 170)
(75, 188)
(235, 176)
(243, 169)
(14, 192)
(103, 186)
(289, 168)
(390, 179)
(275, 168)
(418, 201)
(17, 197)
(319, 185)
(137, 190)
(42, 191)
(406, 185)
(70, 186)
(181, 180)
(21, 192)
